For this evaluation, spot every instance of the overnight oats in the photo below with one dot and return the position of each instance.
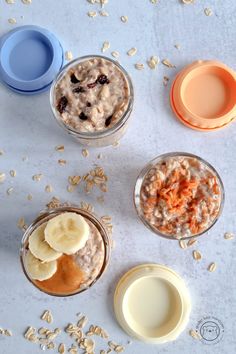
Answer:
(65, 251)
(92, 98)
(179, 195)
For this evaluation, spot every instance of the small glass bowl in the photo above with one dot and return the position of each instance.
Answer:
(141, 178)
(49, 214)
(99, 138)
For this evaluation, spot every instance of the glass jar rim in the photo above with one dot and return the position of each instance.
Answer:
(98, 134)
(139, 183)
(46, 215)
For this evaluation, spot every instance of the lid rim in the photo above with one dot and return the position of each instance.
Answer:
(48, 76)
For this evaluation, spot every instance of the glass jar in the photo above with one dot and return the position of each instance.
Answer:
(97, 138)
(45, 216)
(139, 189)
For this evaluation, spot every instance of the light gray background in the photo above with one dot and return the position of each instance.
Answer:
(27, 128)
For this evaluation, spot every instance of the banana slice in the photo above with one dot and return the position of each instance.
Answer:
(40, 248)
(38, 270)
(67, 233)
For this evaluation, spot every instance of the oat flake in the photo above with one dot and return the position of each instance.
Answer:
(229, 236)
(60, 148)
(167, 63)
(139, 66)
(2, 177)
(92, 14)
(211, 267)
(115, 54)
(194, 334)
(105, 46)
(68, 55)
(12, 21)
(85, 152)
(197, 255)
(132, 51)
(26, 2)
(208, 12)
(103, 13)
(10, 2)
(124, 19)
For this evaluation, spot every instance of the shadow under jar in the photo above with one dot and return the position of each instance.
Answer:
(75, 272)
(92, 99)
(179, 195)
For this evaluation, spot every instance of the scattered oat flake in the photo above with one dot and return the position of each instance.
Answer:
(124, 19)
(115, 54)
(48, 188)
(132, 51)
(105, 46)
(187, 2)
(194, 334)
(54, 203)
(197, 255)
(139, 66)
(7, 332)
(212, 267)
(47, 316)
(13, 173)
(167, 63)
(30, 330)
(103, 13)
(62, 348)
(62, 162)
(68, 55)
(166, 79)
(25, 158)
(12, 21)
(2, 177)
(100, 156)
(26, 2)
(10, 2)
(177, 46)
(37, 177)
(10, 190)
(21, 224)
(103, 2)
(85, 152)
(92, 1)
(82, 322)
(208, 11)
(229, 236)
(60, 148)
(154, 1)
(92, 14)
(153, 62)
(191, 242)
(182, 244)
(1, 152)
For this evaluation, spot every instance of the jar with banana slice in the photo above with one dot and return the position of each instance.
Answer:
(65, 251)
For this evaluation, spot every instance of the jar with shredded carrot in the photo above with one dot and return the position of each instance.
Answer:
(179, 195)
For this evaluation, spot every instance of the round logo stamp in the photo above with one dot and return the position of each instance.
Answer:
(211, 330)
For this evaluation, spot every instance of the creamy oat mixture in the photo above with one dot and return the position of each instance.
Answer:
(91, 257)
(92, 96)
(180, 196)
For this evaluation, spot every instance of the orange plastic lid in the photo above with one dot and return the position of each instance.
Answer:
(203, 95)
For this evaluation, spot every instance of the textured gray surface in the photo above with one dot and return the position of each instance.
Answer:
(27, 128)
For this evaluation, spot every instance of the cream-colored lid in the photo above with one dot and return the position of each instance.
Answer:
(152, 303)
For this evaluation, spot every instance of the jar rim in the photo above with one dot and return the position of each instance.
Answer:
(139, 183)
(48, 214)
(97, 134)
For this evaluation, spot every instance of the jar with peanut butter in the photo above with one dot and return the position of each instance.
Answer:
(65, 251)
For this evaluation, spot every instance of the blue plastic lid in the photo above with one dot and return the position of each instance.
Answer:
(30, 58)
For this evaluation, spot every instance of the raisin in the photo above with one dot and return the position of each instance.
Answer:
(108, 121)
(74, 79)
(83, 116)
(61, 106)
(88, 104)
(79, 89)
(102, 79)
(92, 85)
